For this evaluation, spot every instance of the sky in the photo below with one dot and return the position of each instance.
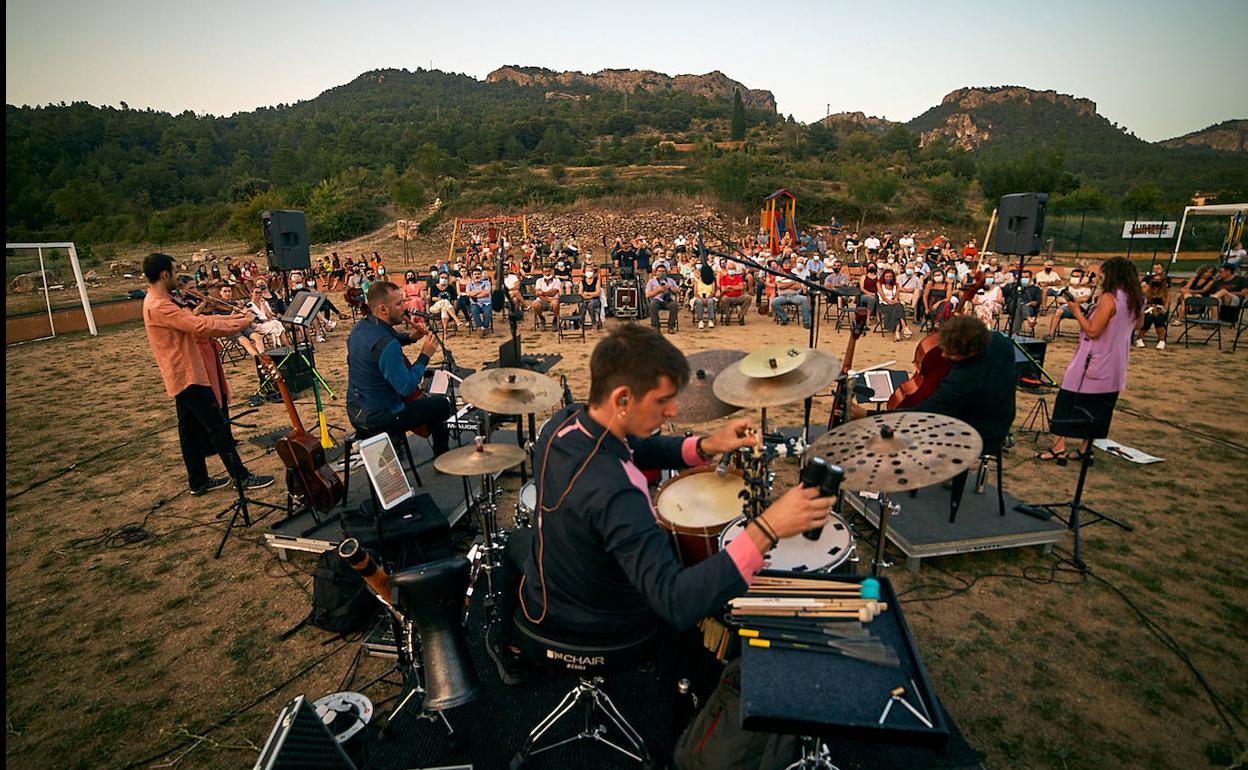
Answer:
(1160, 69)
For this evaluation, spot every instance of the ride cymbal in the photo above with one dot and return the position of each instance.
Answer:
(511, 391)
(480, 460)
(898, 451)
(696, 402)
(816, 371)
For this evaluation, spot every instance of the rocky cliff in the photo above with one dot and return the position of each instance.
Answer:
(1227, 136)
(713, 85)
(857, 120)
(964, 117)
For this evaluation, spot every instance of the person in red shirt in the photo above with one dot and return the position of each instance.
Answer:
(733, 293)
(970, 251)
(199, 392)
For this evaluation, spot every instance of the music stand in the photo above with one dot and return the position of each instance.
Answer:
(1082, 425)
(239, 508)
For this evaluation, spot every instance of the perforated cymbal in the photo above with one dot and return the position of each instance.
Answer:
(474, 461)
(817, 371)
(696, 402)
(511, 391)
(773, 360)
(923, 449)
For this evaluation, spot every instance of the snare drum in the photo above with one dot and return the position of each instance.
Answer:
(526, 504)
(830, 553)
(695, 506)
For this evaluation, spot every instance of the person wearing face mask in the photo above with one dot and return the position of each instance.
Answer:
(910, 283)
(1156, 309)
(1082, 294)
(442, 299)
(936, 295)
(734, 293)
(868, 289)
(892, 311)
(987, 301)
(1023, 300)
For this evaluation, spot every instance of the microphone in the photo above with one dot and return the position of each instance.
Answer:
(498, 297)
(418, 314)
(721, 470)
(705, 272)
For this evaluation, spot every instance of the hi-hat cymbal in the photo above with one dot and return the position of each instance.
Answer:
(511, 391)
(898, 451)
(696, 402)
(817, 371)
(479, 461)
(773, 360)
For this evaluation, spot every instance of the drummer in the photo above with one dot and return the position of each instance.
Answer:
(597, 564)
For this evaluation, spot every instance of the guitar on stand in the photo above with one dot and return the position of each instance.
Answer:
(303, 454)
(844, 384)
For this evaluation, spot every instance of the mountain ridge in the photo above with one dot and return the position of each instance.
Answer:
(713, 84)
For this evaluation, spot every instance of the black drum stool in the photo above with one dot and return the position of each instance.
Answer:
(589, 661)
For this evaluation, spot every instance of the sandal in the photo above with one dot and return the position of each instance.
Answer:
(1049, 455)
(1078, 456)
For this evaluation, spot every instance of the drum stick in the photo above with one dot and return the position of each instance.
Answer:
(846, 631)
(770, 602)
(863, 615)
(874, 652)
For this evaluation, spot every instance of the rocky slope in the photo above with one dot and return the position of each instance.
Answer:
(1227, 136)
(857, 120)
(713, 85)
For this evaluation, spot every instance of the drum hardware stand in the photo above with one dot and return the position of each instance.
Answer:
(814, 756)
(239, 508)
(887, 508)
(486, 556)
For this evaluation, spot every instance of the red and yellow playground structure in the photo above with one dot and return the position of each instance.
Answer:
(779, 216)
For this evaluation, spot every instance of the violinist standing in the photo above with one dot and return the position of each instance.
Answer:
(172, 331)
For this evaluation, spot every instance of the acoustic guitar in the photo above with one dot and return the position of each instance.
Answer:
(857, 328)
(930, 364)
(302, 453)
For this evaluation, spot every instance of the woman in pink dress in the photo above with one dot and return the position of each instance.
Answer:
(413, 292)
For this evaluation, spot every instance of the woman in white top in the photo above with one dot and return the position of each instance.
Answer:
(988, 301)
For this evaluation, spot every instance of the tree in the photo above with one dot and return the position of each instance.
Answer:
(1038, 170)
(730, 178)
(871, 188)
(738, 116)
(1142, 197)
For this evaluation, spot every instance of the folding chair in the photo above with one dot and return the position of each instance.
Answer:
(1201, 313)
(232, 351)
(571, 316)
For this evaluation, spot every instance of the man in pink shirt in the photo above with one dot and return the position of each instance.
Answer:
(199, 398)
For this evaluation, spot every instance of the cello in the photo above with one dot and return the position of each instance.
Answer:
(930, 364)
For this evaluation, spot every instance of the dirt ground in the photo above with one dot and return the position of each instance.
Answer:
(127, 639)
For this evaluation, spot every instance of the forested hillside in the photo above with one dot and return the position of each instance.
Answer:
(391, 142)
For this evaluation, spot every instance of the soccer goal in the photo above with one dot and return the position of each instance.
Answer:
(36, 274)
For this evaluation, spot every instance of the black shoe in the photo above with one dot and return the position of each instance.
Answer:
(211, 484)
(256, 481)
(509, 662)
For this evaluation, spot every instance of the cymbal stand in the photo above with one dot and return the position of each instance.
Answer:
(487, 555)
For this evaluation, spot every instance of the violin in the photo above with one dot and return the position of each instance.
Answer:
(191, 299)
(930, 364)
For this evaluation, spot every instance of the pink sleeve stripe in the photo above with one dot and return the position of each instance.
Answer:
(689, 453)
(746, 556)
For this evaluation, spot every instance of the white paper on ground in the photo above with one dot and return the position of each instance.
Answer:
(1125, 452)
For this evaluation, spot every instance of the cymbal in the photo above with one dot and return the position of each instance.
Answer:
(511, 391)
(696, 402)
(479, 461)
(817, 371)
(923, 449)
(773, 360)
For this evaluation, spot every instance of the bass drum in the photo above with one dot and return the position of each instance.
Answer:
(829, 553)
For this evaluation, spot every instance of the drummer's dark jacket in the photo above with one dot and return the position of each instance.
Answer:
(980, 391)
(608, 567)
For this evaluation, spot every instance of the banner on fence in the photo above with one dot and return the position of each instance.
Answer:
(1148, 229)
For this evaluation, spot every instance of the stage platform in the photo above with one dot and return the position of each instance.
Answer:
(922, 527)
(303, 533)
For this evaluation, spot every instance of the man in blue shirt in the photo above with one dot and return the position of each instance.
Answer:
(478, 294)
(661, 293)
(379, 378)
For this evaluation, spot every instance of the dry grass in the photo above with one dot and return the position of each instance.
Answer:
(116, 652)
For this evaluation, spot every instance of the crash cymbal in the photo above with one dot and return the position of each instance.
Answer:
(696, 402)
(773, 360)
(817, 371)
(897, 451)
(511, 391)
(479, 461)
